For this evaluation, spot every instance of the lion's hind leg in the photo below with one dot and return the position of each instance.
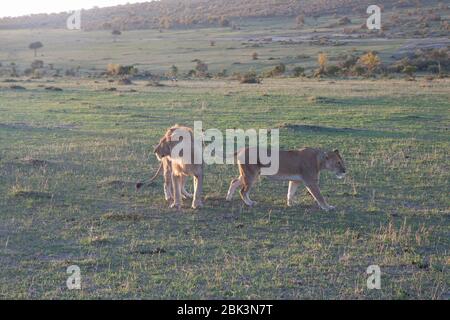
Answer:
(184, 192)
(235, 183)
(245, 191)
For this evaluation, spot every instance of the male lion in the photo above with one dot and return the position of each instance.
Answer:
(178, 168)
(295, 166)
(166, 168)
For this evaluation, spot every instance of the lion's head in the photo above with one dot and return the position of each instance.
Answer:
(172, 137)
(335, 163)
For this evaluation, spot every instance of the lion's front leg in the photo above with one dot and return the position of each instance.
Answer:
(293, 185)
(168, 187)
(176, 183)
(198, 189)
(315, 192)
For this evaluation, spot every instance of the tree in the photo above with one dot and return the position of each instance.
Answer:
(371, 61)
(35, 46)
(115, 34)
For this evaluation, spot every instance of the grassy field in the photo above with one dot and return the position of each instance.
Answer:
(69, 161)
(156, 52)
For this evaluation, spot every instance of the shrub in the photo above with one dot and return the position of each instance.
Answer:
(222, 74)
(173, 71)
(124, 82)
(332, 70)
(358, 70)
(115, 69)
(409, 71)
(249, 77)
(224, 22)
(276, 71)
(70, 73)
(344, 21)
(37, 64)
(349, 62)
(322, 60)
(201, 69)
(299, 71)
(370, 60)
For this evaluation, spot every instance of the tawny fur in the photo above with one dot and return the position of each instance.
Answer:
(295, 166)
(177, 171)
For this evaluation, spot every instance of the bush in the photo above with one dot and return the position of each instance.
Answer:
(37, 74)
(37, 64)
(332, 70)
(276, 71)
(115, 69)
(344, 21)
(299, 71)
(349, 62)
(201, 69)
(358, 70)
(409, 70)
(124, 82)
(222, 74)
(70, 73)
(249, 77)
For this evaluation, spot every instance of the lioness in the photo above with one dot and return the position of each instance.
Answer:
(179, 169)
(295, 166)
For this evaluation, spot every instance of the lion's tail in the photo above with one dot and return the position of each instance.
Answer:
(158, 172)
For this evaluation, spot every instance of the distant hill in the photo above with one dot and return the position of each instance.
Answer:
(167, 14)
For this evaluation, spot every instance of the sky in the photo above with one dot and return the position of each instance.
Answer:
(14, 8)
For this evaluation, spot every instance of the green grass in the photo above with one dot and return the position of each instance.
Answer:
(69, 160)
(150, 50)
